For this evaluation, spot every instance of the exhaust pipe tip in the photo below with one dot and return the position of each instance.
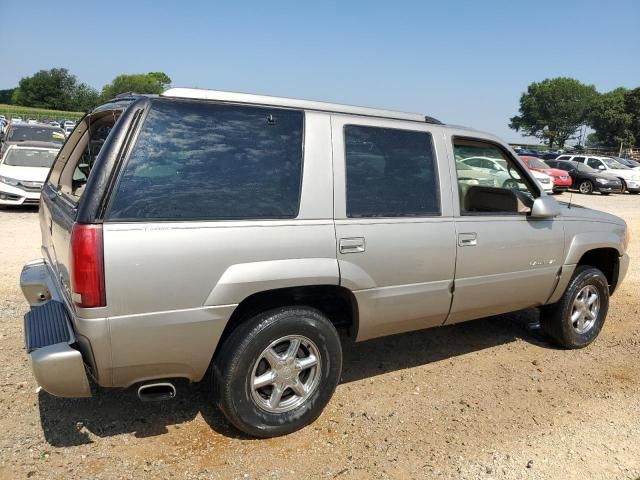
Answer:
(156, 392)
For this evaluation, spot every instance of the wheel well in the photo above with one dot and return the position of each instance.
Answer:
(607, 261)
(337, 303)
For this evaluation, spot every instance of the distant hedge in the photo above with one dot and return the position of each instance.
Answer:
(37, 113)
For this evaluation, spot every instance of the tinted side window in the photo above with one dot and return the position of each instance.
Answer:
(578, 159)
(594, 163)
(196, 160)
(390, 173)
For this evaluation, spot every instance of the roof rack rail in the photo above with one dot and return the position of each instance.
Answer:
(435, 121)
(235, 97)
(126, 94)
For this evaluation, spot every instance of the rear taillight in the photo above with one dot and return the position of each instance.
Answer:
(87, 266)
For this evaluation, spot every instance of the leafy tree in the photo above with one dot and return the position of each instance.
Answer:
(632, 107)
(152, 82)
(554, 109)
(52, 89)
(5, 95)
(610, 120)
(85, 98)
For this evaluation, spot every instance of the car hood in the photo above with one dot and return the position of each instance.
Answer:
(623, 173)
(570, 210)
(606, 176)
(538, 174)
(556, 172)
(29, 174)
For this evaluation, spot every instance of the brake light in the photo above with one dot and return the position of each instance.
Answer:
(87, 266)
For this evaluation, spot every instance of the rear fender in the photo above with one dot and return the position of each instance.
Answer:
(244, 279)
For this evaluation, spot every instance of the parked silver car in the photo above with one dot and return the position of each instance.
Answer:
(227, 237)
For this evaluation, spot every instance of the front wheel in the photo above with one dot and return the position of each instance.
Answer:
(624, 186)
(576, 320)
(511, 185)
(586, 187)
(277, 371)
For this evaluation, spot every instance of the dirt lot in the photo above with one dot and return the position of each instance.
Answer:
(486, 399)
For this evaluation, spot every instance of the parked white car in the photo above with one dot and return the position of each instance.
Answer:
(498, 168)
(23, 170)
(630, 177)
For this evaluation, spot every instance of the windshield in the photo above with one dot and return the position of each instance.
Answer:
(27, 157)
(537, 163)
(584, 168)
(611, 163)
(36, 134)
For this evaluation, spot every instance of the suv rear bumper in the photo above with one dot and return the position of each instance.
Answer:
(57, 366)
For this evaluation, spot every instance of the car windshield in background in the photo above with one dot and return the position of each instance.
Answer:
(537, 163)
(611, 163)
(23, 157)
(28, 133)
(584, 168)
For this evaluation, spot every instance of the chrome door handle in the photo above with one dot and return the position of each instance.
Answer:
(351, 245)
(467, 239)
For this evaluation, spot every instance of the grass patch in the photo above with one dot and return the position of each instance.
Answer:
(37, 113)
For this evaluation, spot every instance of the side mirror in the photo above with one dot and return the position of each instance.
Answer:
(601, 167)
(545, 207)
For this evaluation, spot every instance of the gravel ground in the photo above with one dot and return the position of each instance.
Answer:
(486, 399)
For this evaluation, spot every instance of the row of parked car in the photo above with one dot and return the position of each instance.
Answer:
(27, 151)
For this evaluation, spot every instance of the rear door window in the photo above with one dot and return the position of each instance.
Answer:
(197, 160)
(390, 173)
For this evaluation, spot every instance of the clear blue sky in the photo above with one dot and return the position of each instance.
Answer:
(465, 62)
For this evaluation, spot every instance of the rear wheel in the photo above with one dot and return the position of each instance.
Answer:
(276, 372)
(586, 187)
(576, 320)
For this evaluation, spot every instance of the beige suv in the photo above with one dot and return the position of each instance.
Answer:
(227, 237)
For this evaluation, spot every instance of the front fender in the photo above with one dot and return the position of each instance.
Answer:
(581, 243)
(244, 279)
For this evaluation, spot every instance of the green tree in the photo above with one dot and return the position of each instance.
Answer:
(85, 98)
(52, 89)
(5, 95)
(632, 107)
(552, 110)
(607, 116)
(152, 82)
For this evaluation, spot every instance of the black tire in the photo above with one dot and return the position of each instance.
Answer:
(624, 186)
(511, 185)
(585, 187)
(556, 320)
(634, 193)
(242, 353)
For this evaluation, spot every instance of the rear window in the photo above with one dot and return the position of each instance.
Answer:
(196, 160)
(30, 133)
(26, 157)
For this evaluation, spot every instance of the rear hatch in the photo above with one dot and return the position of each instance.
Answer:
(76, 185)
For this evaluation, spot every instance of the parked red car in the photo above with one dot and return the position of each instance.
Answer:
(561, 179)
